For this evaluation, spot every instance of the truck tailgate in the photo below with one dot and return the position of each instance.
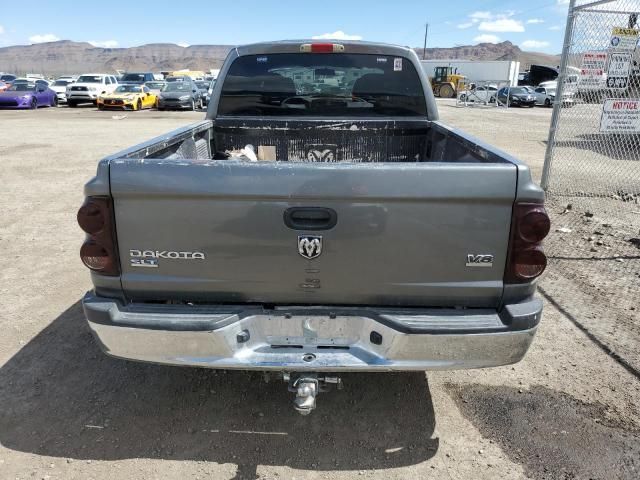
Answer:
(402, 233)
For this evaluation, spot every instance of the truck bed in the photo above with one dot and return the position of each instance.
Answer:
(370, 141)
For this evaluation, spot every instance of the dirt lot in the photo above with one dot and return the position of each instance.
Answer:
(569, 410)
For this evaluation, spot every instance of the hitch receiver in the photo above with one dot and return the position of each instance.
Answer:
(306, 386)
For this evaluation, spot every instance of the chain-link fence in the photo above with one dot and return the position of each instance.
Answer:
(592, 172)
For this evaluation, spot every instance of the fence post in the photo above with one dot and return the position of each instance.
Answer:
(557, 105)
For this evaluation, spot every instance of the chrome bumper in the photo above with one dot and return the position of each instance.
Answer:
(321, 339)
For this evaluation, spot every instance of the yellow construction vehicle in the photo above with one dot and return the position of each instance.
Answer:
(447, 82)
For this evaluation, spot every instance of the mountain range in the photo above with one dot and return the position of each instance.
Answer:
(67, 57)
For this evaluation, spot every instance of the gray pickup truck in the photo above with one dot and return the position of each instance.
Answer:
(321, 219)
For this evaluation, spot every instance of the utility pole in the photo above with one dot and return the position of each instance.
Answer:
(424, 49)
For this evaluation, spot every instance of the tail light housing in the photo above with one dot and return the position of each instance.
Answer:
(526, 260)
(99, 252)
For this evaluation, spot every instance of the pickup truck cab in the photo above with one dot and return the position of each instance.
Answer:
(321, 219)
(89, 87)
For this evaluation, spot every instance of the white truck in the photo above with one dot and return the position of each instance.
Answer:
(89, 87)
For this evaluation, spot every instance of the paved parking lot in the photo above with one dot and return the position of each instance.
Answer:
(569, 410)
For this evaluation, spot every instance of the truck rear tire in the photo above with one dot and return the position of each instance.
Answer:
(446, 91)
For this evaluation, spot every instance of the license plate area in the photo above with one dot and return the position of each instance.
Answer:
(321, 332)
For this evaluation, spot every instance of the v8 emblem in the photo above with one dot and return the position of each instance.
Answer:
(479, 260)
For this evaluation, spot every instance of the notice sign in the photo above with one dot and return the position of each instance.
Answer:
(594, 60)
(620, 116)
(592, 70)
(623, 39)
(618, 71)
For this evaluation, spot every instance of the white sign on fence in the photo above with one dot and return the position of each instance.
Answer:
(620, 116)
(618, 71)
(623, 39)
(592, 70)
(594, 60)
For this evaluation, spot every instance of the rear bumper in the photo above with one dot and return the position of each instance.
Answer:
(177, 105)
(339, 339)
(82, 97)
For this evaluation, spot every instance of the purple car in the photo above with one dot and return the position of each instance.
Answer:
(28, 95)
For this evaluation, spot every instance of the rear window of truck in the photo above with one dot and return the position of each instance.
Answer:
(320, 84)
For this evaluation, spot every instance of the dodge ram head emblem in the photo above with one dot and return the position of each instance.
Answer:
(309, 246)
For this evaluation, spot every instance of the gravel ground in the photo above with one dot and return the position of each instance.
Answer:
(569, 410)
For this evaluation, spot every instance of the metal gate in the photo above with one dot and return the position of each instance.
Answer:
(592, 173)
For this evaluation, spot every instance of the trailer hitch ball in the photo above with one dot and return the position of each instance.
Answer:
(306, 391)
(306, 386)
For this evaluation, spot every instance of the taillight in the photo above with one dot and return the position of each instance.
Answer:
(321, 48)
(529, 226)
(98, 252)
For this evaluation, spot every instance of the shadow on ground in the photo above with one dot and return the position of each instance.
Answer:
(553, 435)
(62, 397)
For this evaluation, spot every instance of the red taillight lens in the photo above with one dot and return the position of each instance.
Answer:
(95, 256)
(534, 226)
(529, 264)
(530, 224)
(99, 252)
(322, 48)
(91, 216)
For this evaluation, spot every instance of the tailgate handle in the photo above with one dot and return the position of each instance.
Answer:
(310, 218)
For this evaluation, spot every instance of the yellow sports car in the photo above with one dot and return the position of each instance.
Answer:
(135, 97)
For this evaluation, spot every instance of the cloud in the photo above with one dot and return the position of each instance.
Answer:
(535, 44)
(45, 37)
(533, 21)
(555, 27)
(501, 24)
(481, 16)
(487, 38)
(104, 43)
(182, 44)
(337, 35)
(1, 29)
(488, 21)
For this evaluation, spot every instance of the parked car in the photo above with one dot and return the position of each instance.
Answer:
(484, 94)
(89, 87)
(180, 95)
(178, 78)
(517, 96)
(294, 245)
(547, 95)
(156, 86)
(60, 87)
(203, 87)
(39, 81)
(137, 78)
(7, 78)
(28, 95)
(128, 96)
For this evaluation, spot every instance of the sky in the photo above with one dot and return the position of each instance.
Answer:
(536, 25)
